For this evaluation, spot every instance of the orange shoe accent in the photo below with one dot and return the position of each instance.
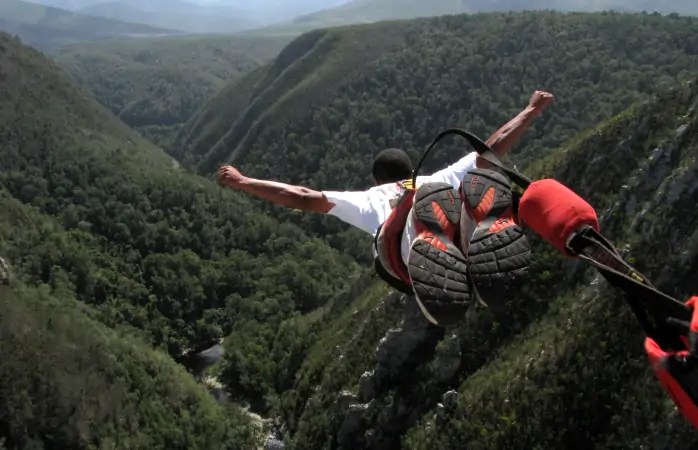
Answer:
(441, 216)
(433, 240)
(503, 221)
(483, 208)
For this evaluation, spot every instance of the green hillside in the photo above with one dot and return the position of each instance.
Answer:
(141, 242)
(47, 28)
(155, 85)
(69, 382)
(397, 83)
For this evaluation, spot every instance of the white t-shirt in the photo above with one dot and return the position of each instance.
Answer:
(367, 210)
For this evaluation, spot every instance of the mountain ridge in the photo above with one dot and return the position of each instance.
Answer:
(315, 52)
(370, 11)
(47, 28)
(390, 48)
(188, 17)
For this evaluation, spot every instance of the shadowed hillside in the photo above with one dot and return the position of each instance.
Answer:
(155, 85)
(69, 382)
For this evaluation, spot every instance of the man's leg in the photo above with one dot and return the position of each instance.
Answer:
(498, 252)
(438, 269)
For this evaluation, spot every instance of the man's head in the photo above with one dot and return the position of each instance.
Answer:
(391, 165)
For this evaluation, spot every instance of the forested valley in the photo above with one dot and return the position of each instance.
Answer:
(148, 307)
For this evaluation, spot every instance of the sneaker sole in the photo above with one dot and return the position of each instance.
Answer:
(499, 253)
(437, 268)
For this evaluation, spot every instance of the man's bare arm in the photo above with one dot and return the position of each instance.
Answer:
(505, 137)
(297, 197)
(283, 194)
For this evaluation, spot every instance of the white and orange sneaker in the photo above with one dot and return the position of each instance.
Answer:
(438, 269)
(499, 253)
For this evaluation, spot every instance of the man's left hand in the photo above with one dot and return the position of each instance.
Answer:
(230, 176)
(541, 100)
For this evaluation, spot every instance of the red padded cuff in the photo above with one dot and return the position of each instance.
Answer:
(555, 212)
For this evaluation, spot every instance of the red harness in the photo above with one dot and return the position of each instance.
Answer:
(678, 371)
(388, 261)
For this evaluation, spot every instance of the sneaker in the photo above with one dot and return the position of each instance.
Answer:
(499, 253)
(438, 269)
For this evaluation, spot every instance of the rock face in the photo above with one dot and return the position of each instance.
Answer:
(398, 354)
(197, 363)
(273, 443)
(211, 355)
(400, 351)
(5, 274)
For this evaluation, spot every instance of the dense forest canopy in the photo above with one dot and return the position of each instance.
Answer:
(69, 382)
(472, 71)
(127, 258)
(118, 226)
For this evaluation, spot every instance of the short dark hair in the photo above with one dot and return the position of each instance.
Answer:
(391, 165)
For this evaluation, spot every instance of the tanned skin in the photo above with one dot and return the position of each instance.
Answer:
(298, 197)
(503, 139)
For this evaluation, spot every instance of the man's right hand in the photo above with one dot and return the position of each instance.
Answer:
(540, 100)
(230, 176)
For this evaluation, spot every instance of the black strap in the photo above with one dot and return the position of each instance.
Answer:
(391, 280)
(657, 313)
(481, 148)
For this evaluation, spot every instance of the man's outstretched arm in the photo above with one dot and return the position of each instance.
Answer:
(504, 138)
(296, 197)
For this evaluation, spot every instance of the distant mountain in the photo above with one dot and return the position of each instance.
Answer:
(180, 15)
(175, 14)
(273, 11)
(366, 11)
(685, 7)
(72, 5)
(198, 16)
(293, 17)
(47, 28)
(155, 85)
